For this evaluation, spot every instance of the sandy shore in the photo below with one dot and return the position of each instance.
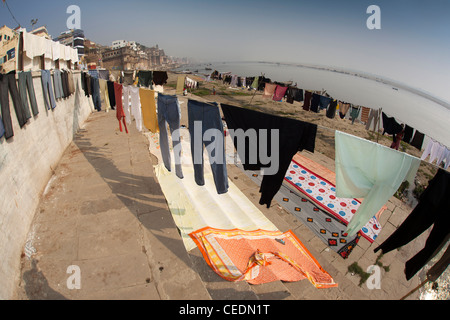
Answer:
(325, 139)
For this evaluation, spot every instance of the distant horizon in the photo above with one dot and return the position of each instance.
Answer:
(411, 46)
(441, 101)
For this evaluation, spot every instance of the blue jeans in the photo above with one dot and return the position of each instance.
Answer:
(47, 89)
(57, 81)
(95, 87)
(209, 117)
(169, 112)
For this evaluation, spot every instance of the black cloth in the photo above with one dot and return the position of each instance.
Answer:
(417, 140)
(331, 111)
(315, 100)
(294, 94)
(111, 94)
(160, 78)
(8, 85)
(145, 78)
(65, 84)
(391, 126)
(294, 135)
(408, 134)
(432, 209)
(439, 267)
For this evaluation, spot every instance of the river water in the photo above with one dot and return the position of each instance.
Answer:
(420, 112)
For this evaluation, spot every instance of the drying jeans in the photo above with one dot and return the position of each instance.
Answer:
(57, 82)
(8, 85)
(203, 117)
(169, 113)
(26, 83)
(432, 209)
(96, 94)
(47, 89)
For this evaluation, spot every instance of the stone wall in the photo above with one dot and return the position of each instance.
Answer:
(26, 164)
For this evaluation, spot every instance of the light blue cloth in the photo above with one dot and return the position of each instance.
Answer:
(368, 170)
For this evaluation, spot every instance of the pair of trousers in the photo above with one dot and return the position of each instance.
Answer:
(111, 94)
(169, 113)
(354, 114)
(120, 114)
(57, 82)
(96, 94)
(208, 117)
(432, 209)
(315, 100)
(104, 93)
(8, 85)
(47, 89)
(294, 135)
(373, 115)
(307, 102)
(26, 84)
(331, 111)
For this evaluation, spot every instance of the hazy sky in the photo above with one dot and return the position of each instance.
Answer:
(413, 45)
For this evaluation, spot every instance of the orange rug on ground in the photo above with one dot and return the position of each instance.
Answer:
(259, 256)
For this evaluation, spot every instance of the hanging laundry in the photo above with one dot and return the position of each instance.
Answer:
(104, 93)
(279, 93)
(47, 87)
(365, 114)
(202, 118)
(374, 116)
(368, 170)
(180, 84)
(160, 78)
(96, 94)
(432, 209)
(269, 90)
(354, 113)
(8, 85)
(126, 103)
(445, 157)
(408, 134)
(307, 102)
(324, 102)
(390, 126)
(315, 100)
(145, 78)
(135, 106)
(439, 267)
(103, 74)
(417, 140)
(294, 135)
(58, 86)
(169, 113)
(148, 106)
(120, 114)
(343, 109)
(434, 149)
(111, 95)
(331, 111)
(26, 85)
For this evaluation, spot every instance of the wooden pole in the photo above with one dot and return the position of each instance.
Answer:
(415, 289)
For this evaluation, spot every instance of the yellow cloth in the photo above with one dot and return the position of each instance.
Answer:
(104, 93)
(180, 84)
(195, 207)
(148, 106)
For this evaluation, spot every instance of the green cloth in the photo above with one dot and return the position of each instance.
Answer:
(255, 83)
(368, 170)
